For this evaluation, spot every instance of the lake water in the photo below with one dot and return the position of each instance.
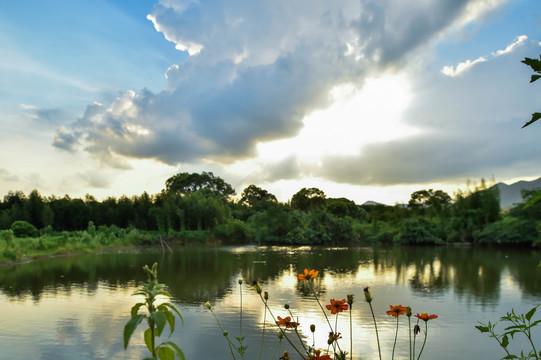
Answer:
(75, 307)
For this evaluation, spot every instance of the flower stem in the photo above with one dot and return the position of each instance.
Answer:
(376, 326)
(424, 342)
(395, 336)
(409, 332)
(263, 332)
(350, 334)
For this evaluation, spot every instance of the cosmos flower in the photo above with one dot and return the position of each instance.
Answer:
(337, 306)
(397, 310)
(308, 275)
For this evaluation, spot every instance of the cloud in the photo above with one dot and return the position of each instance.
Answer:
(256, 70)
(468, 64)
(469, 126)
(7, 176)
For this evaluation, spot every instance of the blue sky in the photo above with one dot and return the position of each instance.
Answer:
(362, 99)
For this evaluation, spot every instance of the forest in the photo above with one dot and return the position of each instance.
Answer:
(199, 208)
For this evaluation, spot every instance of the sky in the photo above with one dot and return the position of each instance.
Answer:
(363, 99)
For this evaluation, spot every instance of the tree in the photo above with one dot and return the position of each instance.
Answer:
(307, 199)
(535, 64)
(254, 195)
(186, 184)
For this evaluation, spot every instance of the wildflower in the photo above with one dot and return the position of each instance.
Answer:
(207, 304)
(334, 337)
(367, 295)
(285, 357)
(337, 306)
(287, 322)
(396, 310)
(317, 356)
(426, 317)
(308, 275)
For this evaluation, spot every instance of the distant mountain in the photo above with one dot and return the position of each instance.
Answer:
(511, 194)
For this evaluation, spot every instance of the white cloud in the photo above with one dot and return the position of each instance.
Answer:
(462, 67)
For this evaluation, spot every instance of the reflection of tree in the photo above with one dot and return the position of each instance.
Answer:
(195, 275)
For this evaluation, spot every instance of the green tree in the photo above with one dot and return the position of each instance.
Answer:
(186, 184)
(307, 199)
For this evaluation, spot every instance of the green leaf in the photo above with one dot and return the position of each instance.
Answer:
(534, 78)
(173, 307)
(530, 313)
(169, 317)
(536, 198)
(129, 328)
(505, 341)
(148, 339)
(482, 328)
(160, 320)
(511, 357)
(164, 293)
(135, 308)
(165, 353)
(533, 63)
(175, 348)
(535, 116)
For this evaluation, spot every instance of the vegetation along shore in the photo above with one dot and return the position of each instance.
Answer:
(199, 208)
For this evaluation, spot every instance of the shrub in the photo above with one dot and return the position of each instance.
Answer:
(7, 236)
(23, 228)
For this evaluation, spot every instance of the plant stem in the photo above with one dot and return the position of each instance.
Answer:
(409, 332)
(350, 334)
(424, 342)
(376, 326)
(263, 332)
(321, 306)
(223, 332)
(395, 336)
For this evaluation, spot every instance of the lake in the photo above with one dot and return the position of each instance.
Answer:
(75, 307)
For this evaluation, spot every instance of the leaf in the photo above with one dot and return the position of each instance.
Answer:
(505, 341)
(173, 307)
(482, 328)
(533, 63)
(534, 78)
(165, 353)
(510, 357)
(148, 339)
(160, 320)
(175, 348)
(535, 116)
(135, 308)
(535, 199)
(129, 328)
(530, 313)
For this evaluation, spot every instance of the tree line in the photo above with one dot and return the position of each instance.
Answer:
(200, 207)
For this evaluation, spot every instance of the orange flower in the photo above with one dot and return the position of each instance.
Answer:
(337, 306)
(317, 356)
(312, 274)
(426, 317)
(287, 322)
(396, 310)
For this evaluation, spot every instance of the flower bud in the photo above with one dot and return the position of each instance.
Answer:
(416, 329)
(258, 288)
(350, 299)
(312, 328)
(225, 333)
(207, 304)
(367, 295)
(240, 281)
(266, 295)
(408, 311)
(286, 306)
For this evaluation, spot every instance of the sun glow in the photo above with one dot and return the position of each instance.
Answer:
(357, 117)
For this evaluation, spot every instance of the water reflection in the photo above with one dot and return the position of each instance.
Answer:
(79, 304)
